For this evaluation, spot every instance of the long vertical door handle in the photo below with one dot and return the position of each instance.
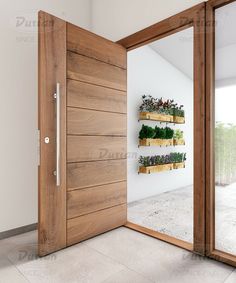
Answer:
(57, 173)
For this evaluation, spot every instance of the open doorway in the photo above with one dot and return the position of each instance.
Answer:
(162, 71)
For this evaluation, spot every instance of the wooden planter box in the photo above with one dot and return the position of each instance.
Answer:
(179, 165)
(178, 120)
(155, 117)
(155, 169)
(179, 142)
(156, 142)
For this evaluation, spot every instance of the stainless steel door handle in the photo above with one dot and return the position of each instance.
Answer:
(57, 173)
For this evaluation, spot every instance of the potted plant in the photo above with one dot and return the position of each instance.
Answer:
(159, 110)
(178, 160)
(179, 114)
(154, 164)
(155, 109)
(160, 163)
(179, 137)
(149, 136)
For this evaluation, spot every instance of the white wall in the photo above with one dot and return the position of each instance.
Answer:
(116, 19)
(149, 73)
(18, 107)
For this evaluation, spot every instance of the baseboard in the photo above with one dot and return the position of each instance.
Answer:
(18, 231)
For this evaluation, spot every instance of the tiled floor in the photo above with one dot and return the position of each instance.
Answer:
(119, 256)
(171, 213)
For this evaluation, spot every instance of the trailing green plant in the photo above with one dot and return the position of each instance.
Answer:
(147, 132)
(178, 134)
(174, 157)
(155, 133)
(158, 105)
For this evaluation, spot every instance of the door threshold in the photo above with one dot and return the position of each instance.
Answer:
(160, 236)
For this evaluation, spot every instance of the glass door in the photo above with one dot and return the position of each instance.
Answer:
(221, 224)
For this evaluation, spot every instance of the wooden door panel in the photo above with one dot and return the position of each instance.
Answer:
(90, 122)
(52, 69)
(99, 172)
(91, 45)
(85, 201)
(90, 225)
(93, 163)
(89, 70)
(92, 148)
(84, 95)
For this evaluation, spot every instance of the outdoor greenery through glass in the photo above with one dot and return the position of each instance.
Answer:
(225, 154)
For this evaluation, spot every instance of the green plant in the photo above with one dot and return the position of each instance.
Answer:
(160, 133)
(177, 157)
(147, 132)
(155, 133)
(169, 133)
(178, 111)
(174, 157)
(158, 105)
(178, 134)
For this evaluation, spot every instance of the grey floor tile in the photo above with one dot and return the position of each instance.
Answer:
(75, 264)
(9, 273)
(231, 278)
(127, 276)
(156, 260)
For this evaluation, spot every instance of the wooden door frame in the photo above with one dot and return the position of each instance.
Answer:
(193, 17)
(212, 5)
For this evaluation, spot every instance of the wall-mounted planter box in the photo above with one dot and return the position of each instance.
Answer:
(178, 120)
(155, 117)
(179, 165)
(155, 169)
(156, 142)
(179, 142)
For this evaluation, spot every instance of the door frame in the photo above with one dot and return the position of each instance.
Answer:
(193, 17)
(211, 6)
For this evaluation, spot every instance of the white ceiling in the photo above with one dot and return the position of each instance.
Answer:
(178, 48)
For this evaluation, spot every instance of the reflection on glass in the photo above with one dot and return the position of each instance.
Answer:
(225, 130)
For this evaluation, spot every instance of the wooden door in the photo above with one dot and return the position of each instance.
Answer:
(82, 172)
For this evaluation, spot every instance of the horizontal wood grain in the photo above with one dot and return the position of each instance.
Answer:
(89, 174)
(92, 71)
(90, 225)
(91, 148)
(89, 44)
(85, 95)
(81, 202)
(90, 122)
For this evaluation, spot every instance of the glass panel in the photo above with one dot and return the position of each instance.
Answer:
(225, 129)
(162, 201)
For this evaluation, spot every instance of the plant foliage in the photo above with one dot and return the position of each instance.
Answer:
(158, 105)
(174, 157)
(156, 133)
(178, 134)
